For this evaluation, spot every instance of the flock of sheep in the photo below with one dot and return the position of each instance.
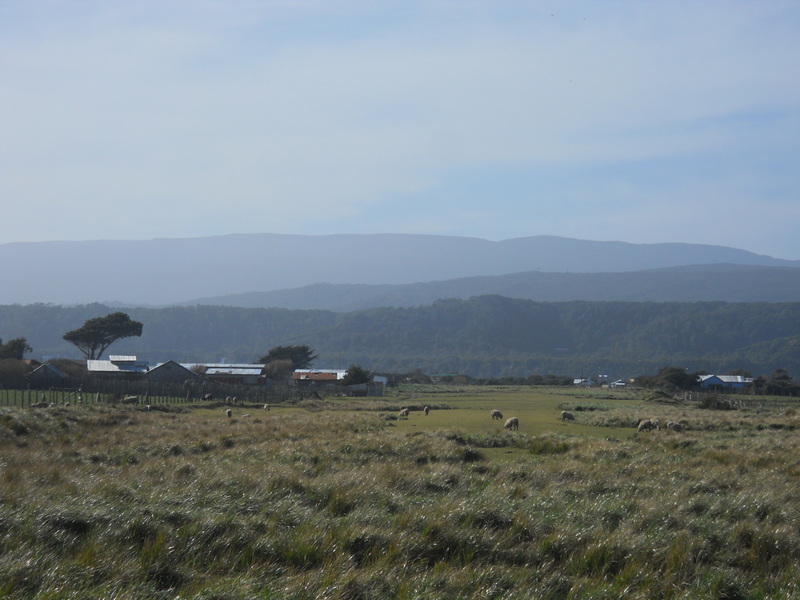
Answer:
(512, 424)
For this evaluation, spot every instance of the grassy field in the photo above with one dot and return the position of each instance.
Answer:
(344, 499)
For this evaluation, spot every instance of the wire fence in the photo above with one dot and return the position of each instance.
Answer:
(148, 393)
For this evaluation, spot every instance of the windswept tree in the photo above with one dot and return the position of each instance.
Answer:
(301, 356)
(14, 349)
(99, 333)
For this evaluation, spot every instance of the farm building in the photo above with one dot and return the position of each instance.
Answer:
(724, 381)
(118, 367)
(234, 373)
(318, 376)
(171, 372)
(46, 375)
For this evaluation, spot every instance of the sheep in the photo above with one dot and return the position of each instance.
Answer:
(208, 397)
(266, 407)
(404, 412)
(567, 416)
(44, 404)
(645, 425)
(656, 424)
(427, 409)
(130, 400)
(496, 414)
(229, 412)
(673, 426)
(512, 423)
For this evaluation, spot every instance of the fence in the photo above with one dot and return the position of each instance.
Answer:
(145, 393)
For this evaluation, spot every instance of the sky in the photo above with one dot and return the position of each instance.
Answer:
(623, 120)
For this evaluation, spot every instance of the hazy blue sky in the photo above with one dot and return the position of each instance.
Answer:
(616, 120)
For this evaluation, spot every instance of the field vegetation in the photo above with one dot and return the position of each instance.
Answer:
(345, 499)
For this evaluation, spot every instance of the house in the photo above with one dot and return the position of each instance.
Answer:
(583, 382)
(724, 381)
(118, 367)
(171, 372)
(619, 383)
(318, 376)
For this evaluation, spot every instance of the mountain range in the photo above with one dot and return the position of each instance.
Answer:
(349, 272)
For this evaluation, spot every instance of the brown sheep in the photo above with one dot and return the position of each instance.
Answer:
(512, 423)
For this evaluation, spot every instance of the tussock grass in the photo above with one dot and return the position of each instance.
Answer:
(336, 502)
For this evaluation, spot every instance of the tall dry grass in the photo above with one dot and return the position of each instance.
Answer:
(102, 502)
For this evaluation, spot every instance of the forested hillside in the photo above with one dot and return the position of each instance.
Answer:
(484, 336)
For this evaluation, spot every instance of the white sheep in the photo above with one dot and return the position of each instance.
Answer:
(266, 407)
(496, 414)
(427, 409)
(567, 416)
(673, 426)
(229, 412)
(404, 412)
(512, 423)
(646, 425)
(656, 424)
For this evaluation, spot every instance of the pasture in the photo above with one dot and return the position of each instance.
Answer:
(344, 499)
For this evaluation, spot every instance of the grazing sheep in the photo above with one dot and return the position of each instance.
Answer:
(266, 407)
(229, 412)
(427, 410)
(404, 412)
(496, 414)
(645, 425)
(130, 400)
(235, 400)
(227, 399)
(40, 405)
(656, 424)
(512, 423)
(567, 416)
(673, 426)
(208, 397)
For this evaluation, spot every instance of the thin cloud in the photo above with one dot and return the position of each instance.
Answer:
(336, 117)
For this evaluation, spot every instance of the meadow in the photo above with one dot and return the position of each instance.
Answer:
(344, 499)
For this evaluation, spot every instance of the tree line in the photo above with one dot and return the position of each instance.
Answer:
(484, 337)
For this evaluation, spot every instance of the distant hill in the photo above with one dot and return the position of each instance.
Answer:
(729, 283)
(167, 271)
